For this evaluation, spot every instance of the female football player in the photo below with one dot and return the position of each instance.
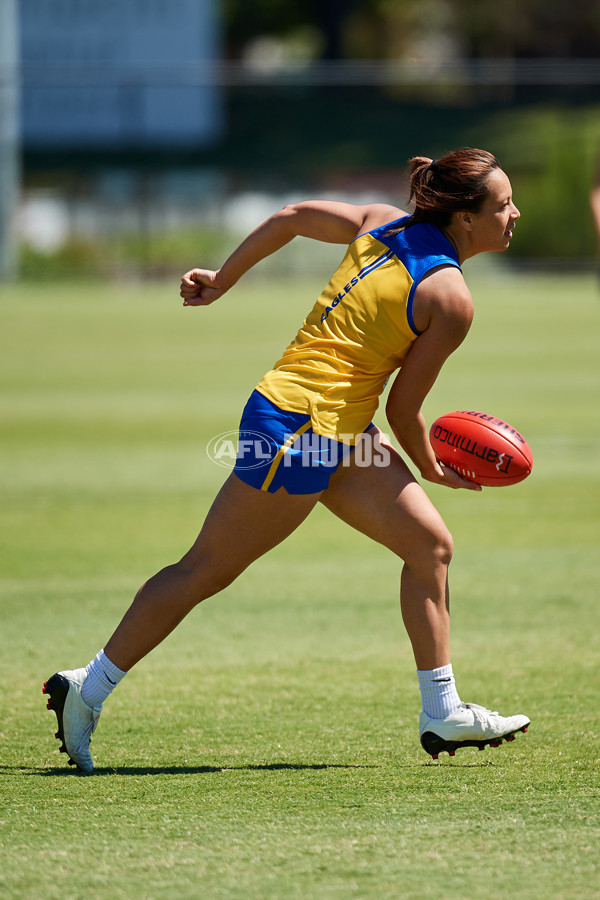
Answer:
(398, 303)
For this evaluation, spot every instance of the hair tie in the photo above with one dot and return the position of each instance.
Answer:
(433, 164)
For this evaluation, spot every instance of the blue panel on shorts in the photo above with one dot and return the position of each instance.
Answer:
(277, 449)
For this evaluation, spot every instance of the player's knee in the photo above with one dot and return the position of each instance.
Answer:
(443, 547)
(433, 550)
(204, 578)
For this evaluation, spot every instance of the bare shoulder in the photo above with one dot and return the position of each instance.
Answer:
(442, 295)
(377, 214)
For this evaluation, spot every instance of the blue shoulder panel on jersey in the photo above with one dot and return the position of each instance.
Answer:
(420, 248)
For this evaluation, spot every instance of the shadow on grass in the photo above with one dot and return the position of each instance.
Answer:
(56, 772)
(209, 770)
(181, 770)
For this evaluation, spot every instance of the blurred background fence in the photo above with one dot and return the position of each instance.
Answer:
(146, 136)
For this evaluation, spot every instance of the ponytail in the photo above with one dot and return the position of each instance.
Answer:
(440, 187)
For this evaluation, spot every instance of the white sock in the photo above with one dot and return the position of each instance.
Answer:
(102, 678)
(438, 692)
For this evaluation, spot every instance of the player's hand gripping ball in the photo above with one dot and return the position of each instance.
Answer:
(481, 448)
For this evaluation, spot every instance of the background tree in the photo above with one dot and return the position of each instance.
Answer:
(382, 29)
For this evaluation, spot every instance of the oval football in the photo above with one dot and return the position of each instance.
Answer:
(481, 447)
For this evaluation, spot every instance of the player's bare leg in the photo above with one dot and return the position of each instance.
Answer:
(242, 525)
(388, 505)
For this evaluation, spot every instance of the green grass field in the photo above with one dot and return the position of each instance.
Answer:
(269, 748)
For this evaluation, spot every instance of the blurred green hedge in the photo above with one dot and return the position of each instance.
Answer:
(311, 143)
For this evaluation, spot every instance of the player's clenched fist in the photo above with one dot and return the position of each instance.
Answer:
(200, 287)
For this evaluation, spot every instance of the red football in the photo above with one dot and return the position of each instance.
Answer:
(482, 448)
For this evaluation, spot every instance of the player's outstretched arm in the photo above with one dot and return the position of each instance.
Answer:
(321, 220)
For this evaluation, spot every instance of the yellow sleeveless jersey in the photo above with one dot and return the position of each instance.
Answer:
(358, 332)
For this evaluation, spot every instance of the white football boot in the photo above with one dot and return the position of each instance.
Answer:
(76, 720)
(470, 726)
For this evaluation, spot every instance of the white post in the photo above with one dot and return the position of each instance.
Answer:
(9, 137)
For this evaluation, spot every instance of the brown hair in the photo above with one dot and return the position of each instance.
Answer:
(457, 181)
